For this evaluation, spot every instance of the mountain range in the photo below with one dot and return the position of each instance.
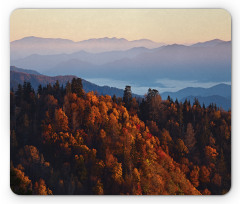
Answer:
(18, 76)
(206, 61)
(209, 43)
(49, 46)
(47, 62)
(143, 63)
(219, 94)
(223, 90)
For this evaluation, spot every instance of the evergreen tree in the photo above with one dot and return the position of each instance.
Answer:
(19, 95)
(68, 88)
(77, 87)
(40, 89)
(127, 96)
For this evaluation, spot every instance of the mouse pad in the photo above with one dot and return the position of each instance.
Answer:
(120, 101)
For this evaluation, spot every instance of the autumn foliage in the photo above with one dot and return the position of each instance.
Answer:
(66, 141)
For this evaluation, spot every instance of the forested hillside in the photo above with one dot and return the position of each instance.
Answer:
(18, 76)
(68, 141)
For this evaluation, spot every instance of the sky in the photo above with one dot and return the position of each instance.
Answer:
(183, 26)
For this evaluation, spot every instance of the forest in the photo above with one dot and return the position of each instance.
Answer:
(65, 141)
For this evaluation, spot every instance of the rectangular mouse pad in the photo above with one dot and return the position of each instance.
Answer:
(120, 101)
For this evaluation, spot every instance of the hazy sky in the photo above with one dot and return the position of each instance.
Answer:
(160, 25)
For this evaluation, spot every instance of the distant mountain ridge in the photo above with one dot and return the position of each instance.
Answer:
(219, 95)
(220, 101)
(176, 62)
(28, 71)
(223, 90)
(49, 46)
(140, 64)
(21, 75)
(45, 62)
(209, 43)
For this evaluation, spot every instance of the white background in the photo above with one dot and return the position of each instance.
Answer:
(7, 6)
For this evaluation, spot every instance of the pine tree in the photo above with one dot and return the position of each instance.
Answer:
(68, 88)
(77, 87)
(127, 96)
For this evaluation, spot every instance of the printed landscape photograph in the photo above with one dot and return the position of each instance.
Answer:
(120, 101)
